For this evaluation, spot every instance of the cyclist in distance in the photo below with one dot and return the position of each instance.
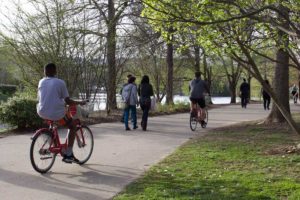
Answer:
(52, 98)
(197, 88)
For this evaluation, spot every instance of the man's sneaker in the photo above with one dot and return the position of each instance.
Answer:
(70, 159)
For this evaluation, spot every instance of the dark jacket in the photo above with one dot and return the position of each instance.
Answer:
(145, 92)
(245, 89)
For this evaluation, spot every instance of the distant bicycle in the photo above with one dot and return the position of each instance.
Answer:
(195, 117)
(46, 145)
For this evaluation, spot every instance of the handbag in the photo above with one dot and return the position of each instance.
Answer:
(153, 104)
(125, 103)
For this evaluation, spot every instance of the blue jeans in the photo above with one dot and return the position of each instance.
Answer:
(131, 108)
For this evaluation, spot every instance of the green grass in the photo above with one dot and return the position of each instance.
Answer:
(232, 164)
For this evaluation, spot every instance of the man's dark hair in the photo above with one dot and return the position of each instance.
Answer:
(128, 76)
(50, 69)
(131, 79)
(197, 74)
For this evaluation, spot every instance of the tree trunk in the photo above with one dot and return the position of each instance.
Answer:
(281, 86)
(205, 75)
(281, 82)
(299, 83)
(233, 92)
(111, 58)
(169, 97)
(249, 82)
(197, 59)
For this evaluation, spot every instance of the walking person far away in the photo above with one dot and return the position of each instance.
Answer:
(53, 97)
(244, 93)
(129, 94)
(266, 97)
(145, 92)
(295, 93)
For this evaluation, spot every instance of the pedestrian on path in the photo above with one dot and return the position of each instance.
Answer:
(244, 93)
(266, 97)
(145, 92)
(295, 93)
(123, 115)
(129, 94)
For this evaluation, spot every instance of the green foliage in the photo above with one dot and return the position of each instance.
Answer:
(8, 89)
(20, 111)
(177, 107)
(3, 97)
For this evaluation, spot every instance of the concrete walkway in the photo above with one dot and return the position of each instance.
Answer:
(119, 157)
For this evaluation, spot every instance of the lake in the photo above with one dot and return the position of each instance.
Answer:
(100, 100)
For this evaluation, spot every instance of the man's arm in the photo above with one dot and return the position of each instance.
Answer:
(206, 88)
(65, 95)
(70, 101)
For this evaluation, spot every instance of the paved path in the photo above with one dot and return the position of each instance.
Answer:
(119, 157)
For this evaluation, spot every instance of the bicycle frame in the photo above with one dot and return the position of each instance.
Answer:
(56, 146)
(197, 109)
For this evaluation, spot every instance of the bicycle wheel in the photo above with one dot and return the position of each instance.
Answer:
(193, 122)
(205, 121)
(84, 144)
(42, 159)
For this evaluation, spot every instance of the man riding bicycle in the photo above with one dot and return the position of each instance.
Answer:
(53, 96)
(197, 88)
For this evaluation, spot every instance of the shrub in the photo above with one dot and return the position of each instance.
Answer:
(177, 107)
(3, 97)
(20, 111)
(8, 89)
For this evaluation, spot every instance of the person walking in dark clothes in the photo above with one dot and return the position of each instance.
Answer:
(266, 97)
(145, 91)
(244, 91)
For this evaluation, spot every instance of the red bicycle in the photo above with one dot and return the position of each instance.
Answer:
(195, 117)
(46, 145)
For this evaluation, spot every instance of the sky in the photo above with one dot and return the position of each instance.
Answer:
(7, 7)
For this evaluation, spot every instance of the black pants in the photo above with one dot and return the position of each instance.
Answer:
(145, 108)
(244, 101)
(267, 101)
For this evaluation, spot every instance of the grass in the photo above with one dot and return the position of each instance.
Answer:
(247, 162)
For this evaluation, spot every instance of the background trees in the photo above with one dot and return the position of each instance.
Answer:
(100, 41)
(241, 30)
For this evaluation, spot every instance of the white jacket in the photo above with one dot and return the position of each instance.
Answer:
(130, 89)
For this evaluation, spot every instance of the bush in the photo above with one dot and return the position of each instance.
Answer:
(3, 97)
(178, 107)
(20, 111)
(8, 89)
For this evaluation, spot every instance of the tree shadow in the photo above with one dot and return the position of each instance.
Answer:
(88, 184)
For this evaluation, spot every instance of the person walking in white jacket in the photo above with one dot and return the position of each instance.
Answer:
(129, 94)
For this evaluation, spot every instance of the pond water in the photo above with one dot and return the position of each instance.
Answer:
(100, 100)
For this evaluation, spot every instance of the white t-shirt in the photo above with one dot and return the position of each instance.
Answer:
(51, 94)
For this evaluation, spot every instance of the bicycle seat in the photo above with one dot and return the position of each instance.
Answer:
(49, 122)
